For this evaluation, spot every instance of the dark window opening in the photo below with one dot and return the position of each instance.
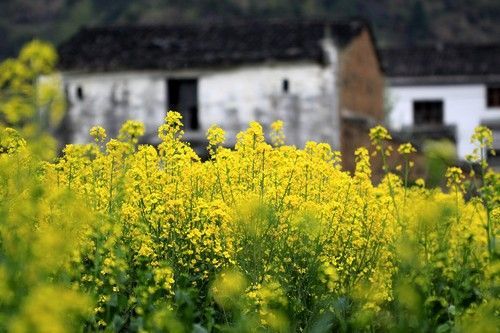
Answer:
(493, 96)
(182, 96)
(285, 86)
(79, 93)
(428, 112)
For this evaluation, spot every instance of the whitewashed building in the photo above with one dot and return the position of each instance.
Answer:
(445, 91)
(314, 75)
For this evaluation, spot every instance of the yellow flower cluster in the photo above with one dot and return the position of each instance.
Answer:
(282, 229)
(378, 135)
(482, 139)
(454, 178)
(277, 134)
(216, 137)
(10, 141)
(130, 131)
(406, 149)
(98, 133)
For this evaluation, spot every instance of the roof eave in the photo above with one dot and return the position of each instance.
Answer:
(443, 80)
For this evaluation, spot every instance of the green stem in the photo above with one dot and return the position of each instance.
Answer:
(389, 183)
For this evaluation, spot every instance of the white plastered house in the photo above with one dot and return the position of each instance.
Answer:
(307, 73)
(445, 91)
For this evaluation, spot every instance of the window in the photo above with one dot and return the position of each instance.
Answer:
(182, 96)
(285, 86)
(79, 93)
(493, 96)
(428, 113)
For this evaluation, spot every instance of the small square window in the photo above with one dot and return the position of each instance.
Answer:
(493, 96)
(428, 112)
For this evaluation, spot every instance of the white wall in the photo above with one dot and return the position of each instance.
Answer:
(233, 98)
(464, 106)
(110, 99)
(230, 98)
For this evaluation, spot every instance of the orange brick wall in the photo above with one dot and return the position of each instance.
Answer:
(361, 81)
(361, 91)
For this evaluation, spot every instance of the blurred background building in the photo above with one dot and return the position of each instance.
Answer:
(445, 91)
(321, 77)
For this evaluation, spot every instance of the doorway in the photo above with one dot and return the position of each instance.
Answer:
(182, 96)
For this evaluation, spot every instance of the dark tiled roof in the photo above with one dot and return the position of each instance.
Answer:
(442, 60)
(201, 45)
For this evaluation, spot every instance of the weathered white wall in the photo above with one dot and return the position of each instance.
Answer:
(110, 99)
(464, 106)
(232, 98)
(229, 97)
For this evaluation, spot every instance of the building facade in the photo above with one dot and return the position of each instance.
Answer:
(322, 78)
(445, 91)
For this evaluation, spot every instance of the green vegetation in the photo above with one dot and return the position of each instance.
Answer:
(116, 236)
(31, 99)
(414, 21)
(439, 155)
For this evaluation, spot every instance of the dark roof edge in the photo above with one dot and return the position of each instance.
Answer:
(185, 71)
(232, 21)
(438, 46)
(443, 80)
(221, 22)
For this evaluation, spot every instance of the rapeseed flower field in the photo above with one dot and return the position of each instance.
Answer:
(117, 236)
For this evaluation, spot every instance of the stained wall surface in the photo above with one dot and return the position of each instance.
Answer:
(228, 97)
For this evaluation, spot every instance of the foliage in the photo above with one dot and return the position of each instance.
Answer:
(30, 96)
(262, 237)
(40, 225)
(439, 155)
